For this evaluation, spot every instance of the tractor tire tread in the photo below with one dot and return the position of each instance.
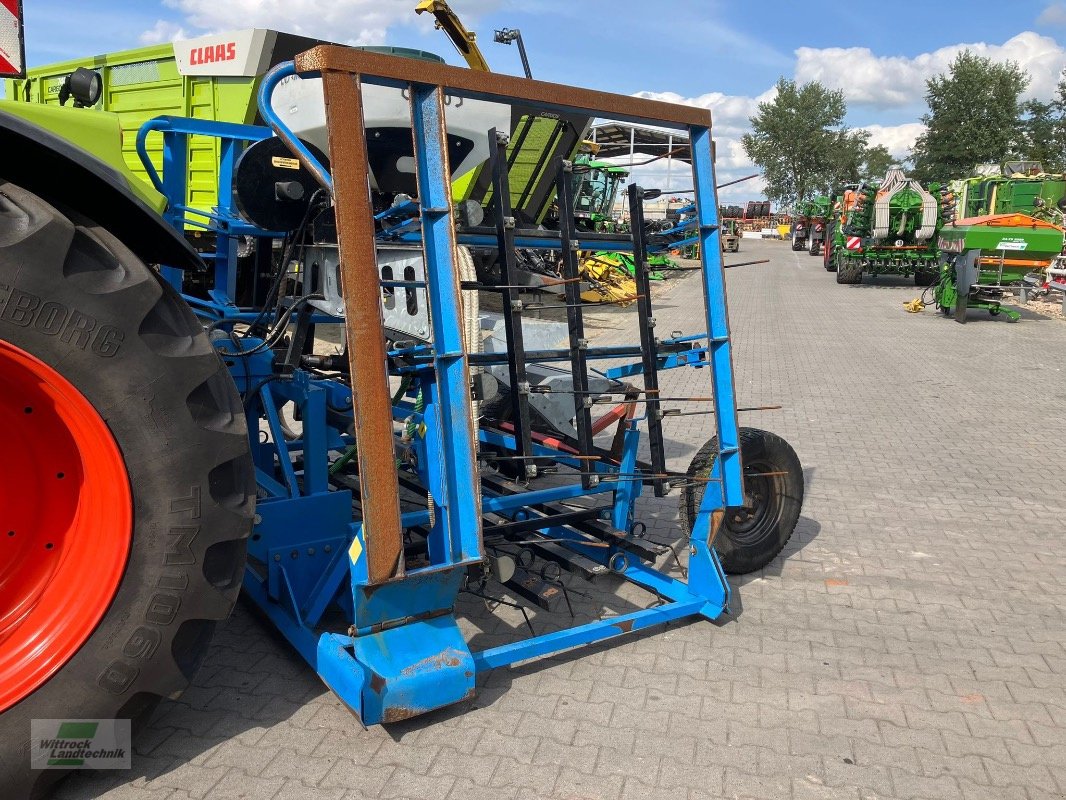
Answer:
(179, 422)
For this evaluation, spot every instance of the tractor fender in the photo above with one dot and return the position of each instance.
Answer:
(65, 175)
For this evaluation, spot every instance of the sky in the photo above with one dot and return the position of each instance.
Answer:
(719, 54)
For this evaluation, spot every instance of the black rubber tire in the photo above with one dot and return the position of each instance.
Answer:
(848, 272)
(798, 244)
(815, 248)
(176, 416)
(747, 547)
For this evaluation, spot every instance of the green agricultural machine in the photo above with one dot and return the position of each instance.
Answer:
(809, 224)
(216, 78)
(1020, 187)
(183, 79)
(984, 258)
(596, 186)
(889, 228)
(832, 224)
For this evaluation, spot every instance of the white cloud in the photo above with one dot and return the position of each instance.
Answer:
(729, 113)
(729, 118)
(897, 139)
(872, 81)
(898, 81)
(163, 31)
(1053, 15)
(346, 21)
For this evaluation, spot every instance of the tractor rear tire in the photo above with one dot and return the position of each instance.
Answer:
(815, 248)
(848, 272)
(120, 411)
(751, 538)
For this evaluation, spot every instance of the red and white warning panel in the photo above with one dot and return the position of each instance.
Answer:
(12, 48)
(854, 243)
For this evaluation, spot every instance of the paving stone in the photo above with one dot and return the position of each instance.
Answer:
(237, 784)
(295, 790)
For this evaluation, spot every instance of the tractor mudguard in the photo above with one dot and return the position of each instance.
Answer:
(67, 176)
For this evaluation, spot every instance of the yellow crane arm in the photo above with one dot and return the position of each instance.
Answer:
(464, 40)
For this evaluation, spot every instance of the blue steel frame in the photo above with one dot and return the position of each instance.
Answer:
(393, 649)
(223, 220)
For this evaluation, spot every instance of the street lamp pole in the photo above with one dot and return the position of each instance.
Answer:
(508, 35)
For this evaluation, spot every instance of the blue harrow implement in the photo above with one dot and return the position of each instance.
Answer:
(441, 495)
(448, 446)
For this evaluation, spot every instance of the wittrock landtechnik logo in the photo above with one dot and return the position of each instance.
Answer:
(77, 743)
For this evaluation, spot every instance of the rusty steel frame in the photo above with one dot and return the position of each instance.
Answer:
(494, 87)
(371, 398)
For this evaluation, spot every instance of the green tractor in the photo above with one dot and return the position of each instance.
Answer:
(983, 258)
(596, 186)
(889, 228)
(809, 224)
(832, 225)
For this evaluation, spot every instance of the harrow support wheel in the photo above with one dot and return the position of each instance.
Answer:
(130, 477)
(752, 536)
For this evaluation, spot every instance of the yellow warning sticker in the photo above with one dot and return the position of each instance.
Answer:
(285, 163)
(356, 550)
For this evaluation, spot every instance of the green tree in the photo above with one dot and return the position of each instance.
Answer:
(1044, 130)
(876, 162)
(845, 160)
(1039, 133)
(800, 143)
(974, 117)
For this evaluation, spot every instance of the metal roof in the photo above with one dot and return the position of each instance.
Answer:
(621, 140)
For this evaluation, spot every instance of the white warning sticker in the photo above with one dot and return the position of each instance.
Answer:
(1012, 244)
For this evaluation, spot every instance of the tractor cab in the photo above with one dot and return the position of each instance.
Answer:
(595, 185)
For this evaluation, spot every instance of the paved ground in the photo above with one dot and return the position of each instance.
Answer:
(909, 643)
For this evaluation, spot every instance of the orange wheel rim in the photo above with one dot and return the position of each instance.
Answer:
(66, 522)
